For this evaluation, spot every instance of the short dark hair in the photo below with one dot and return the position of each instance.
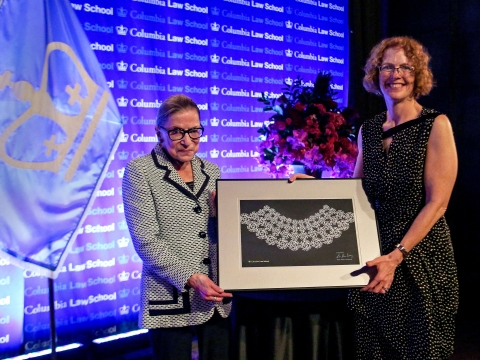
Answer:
(414, 51)
(175, 104)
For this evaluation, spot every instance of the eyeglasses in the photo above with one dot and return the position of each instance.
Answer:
(402, 69)
(178, 134)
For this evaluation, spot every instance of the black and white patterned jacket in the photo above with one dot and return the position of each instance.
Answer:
(174, 232)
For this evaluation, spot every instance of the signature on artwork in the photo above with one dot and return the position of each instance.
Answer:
(342, 256)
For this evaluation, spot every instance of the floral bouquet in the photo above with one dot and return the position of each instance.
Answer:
(308, 129)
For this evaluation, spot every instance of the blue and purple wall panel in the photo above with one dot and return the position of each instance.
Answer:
(223, 54)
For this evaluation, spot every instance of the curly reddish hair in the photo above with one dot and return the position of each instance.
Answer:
(414, 51)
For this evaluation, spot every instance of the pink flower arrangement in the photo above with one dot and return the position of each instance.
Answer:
(309, 129)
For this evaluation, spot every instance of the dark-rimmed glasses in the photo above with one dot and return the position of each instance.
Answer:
(178, 134)
(402, 69)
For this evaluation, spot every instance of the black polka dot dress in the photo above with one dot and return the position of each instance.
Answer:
(416, 318)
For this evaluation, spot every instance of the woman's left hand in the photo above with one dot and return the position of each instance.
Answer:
(213, 201)
(382, 272)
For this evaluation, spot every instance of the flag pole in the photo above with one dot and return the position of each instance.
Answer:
(53, 330)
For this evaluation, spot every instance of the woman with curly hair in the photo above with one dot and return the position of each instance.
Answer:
(408, 161)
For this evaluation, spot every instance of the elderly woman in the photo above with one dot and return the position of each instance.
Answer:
(408, 160)
(169, 209)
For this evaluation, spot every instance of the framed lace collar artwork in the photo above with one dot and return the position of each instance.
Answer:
(307, 234)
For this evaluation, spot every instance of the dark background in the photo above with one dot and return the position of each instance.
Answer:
(450, 31)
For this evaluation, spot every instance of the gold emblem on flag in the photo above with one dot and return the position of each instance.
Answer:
(41, 104)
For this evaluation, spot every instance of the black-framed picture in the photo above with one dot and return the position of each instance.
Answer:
(312, 233)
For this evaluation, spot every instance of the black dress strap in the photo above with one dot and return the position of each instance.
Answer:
(390, 132)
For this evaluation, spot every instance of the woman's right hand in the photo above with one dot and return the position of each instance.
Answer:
(207, 289)
(299, 176)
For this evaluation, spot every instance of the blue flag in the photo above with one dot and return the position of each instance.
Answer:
(59, 126)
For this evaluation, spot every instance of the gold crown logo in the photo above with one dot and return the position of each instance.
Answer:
(42, 105)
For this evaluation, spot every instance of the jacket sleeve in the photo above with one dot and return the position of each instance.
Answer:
(141, 217)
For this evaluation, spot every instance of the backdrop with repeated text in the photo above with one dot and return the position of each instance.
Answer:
(223, 54)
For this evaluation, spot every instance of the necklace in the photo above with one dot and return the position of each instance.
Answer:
(312, 232)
